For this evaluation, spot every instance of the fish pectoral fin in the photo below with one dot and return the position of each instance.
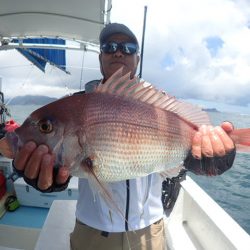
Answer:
(100, 188)
(104, 190)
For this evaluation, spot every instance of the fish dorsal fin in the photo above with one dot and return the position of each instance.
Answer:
(122, 85)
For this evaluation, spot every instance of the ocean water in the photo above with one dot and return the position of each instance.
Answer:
(231, 190)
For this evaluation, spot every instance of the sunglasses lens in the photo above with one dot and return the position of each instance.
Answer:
(129, 48)
(109, 47)
(112, 47)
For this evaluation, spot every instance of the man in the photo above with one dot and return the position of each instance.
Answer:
(98, 226)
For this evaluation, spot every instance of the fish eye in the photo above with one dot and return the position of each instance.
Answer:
(45, 126)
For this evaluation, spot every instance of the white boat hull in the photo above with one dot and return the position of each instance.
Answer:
(196, 222)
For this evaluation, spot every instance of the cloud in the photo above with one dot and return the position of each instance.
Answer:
(19, 77)
(193, 49)
(179, 60)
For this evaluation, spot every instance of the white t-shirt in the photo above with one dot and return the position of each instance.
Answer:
(144, 204)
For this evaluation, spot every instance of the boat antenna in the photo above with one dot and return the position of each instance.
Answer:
(143, 38)
(82, 69)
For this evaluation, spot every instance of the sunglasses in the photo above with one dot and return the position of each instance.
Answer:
(126, 48)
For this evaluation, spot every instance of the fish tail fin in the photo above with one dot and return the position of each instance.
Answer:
(241, 138)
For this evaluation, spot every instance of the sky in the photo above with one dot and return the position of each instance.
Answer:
(196, 50)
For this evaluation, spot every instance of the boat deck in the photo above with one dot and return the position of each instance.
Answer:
(24, 223)
(24, 216)
(196, 222)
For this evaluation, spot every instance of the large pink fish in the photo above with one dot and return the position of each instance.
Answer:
(124, 129)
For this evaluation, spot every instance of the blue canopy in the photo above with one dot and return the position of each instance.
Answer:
(39, 57)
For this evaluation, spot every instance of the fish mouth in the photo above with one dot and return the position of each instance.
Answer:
(9, 145)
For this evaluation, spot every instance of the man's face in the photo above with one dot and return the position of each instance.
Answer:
(110, 63)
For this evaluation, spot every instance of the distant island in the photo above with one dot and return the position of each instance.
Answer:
(210, 110)
(31, 100)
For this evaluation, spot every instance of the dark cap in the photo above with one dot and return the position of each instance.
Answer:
(116, 28)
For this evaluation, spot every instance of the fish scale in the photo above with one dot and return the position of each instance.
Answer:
(123, 149)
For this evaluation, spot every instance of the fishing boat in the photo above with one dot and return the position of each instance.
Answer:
(195, 222)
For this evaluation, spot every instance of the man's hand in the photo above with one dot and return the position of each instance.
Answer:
(213, 151)
(212, 141)
(36, 164)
